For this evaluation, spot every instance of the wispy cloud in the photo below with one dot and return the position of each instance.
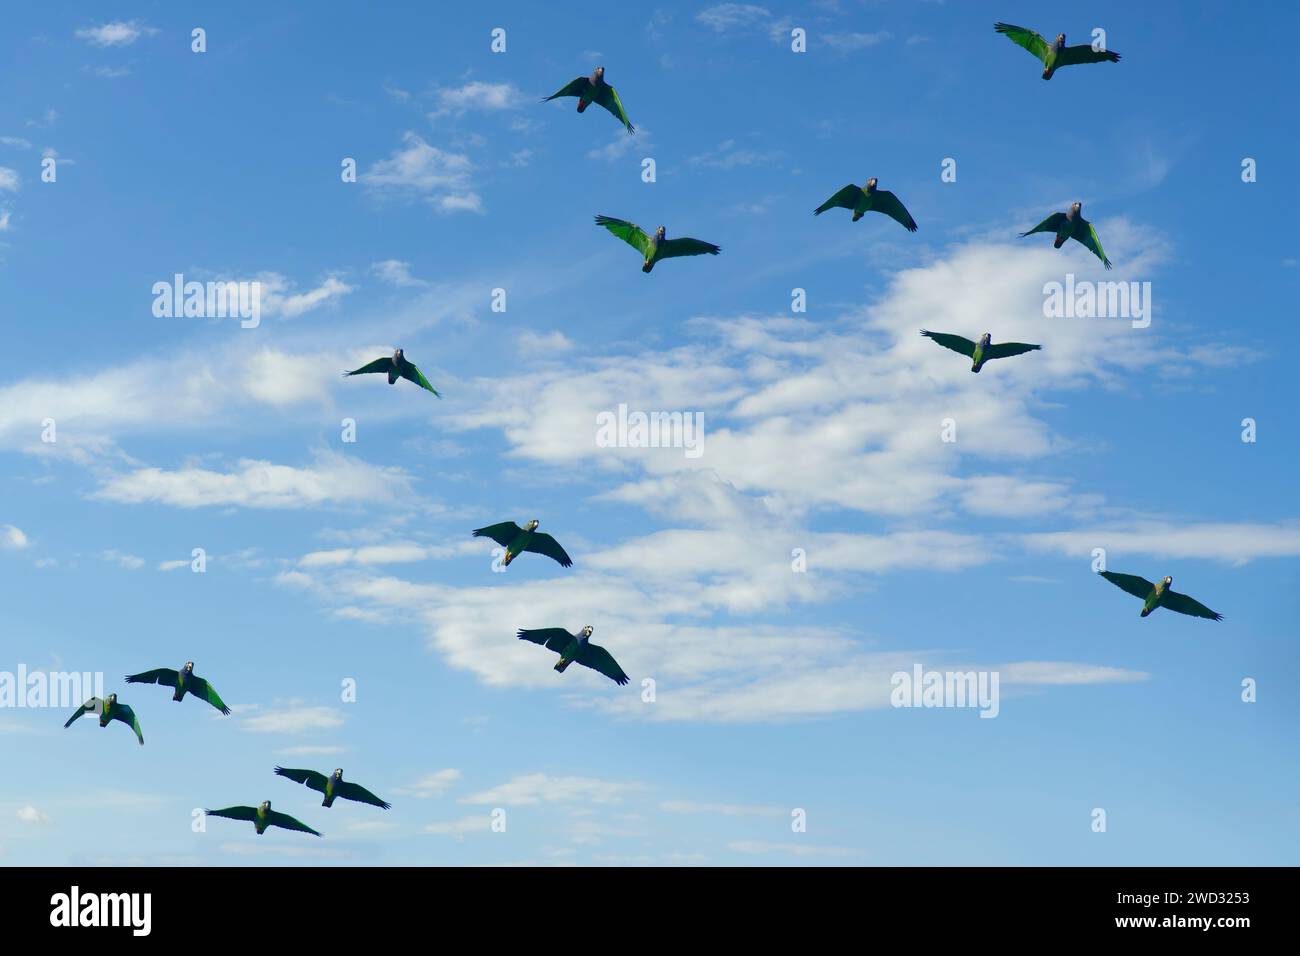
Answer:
(116, 33)
(333, 479)
(431, 784)
(439, 177)
(293, 720)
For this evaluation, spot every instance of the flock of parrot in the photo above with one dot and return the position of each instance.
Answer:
(516, 540)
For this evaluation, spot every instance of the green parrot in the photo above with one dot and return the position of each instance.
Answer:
(865, 199)
(396, 367)
(594, 89)
(1054, 55)
(184, 681)
(108, 711)
(578, 648)
(981, 351)
(1071, 225)
(659, 247)
(517, 540)
(263, 817)
(1159, 595)
(332, 786)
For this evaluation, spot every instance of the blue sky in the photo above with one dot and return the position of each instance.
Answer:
(331, 561)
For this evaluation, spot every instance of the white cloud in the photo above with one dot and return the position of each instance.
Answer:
(310, 750)
(1232, 542)
(397, 552)
(849, 42)
(752, 847)
(12, 537)
(722, 809)
(726, 17)
(29, 814)
(278, 299)
(293, 720)
(128, 561)
(442, 178)
(8, 179)
(396, 272)
(533, 343)
(278, 378)
(116, 33)
(727, 155)
(478, 823)
(477, 95)
(431, 784)
(333, 479)
(621, 144)
(539, 788)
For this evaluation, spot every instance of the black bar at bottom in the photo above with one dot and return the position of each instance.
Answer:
(331, 905)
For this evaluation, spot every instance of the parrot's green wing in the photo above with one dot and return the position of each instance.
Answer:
(1186, 605)
(278, 819)
(846, 198)
(1051, 224)
(629, 232)
(205, 691)
(92, 706)
(312, 779)
(541, 543)
(127, 716)
(378, 365)
(553, 638)
(1090, 240)
(351, 791)
(413, 374)
(671, 248)
(572, 88)
(599, 659)
(1008, 349)
(608, 98)
(502, 533)
(886, 202)
(1134, 585)
(163, 675)
(955, 342)
(234, 813)
(1084, 53)
(1025, 37)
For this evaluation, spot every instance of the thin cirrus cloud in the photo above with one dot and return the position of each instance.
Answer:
(115, 33)
(1236, 543)
(540, 788)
